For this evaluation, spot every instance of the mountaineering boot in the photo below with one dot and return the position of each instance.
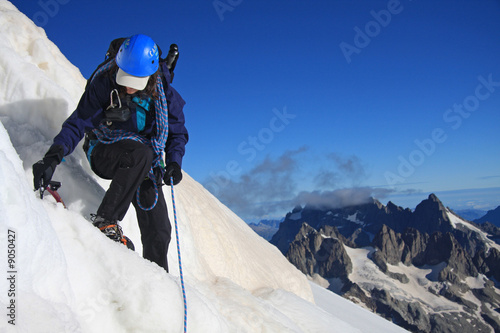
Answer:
(112, 230)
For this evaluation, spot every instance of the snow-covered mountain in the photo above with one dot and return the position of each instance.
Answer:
(63, 275)
(427, 270)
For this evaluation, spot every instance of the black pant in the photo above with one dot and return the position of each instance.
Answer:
(127, 164)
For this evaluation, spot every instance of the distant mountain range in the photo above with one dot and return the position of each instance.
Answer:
(492, 216)
(427, 270)
(266, 228)
(470, 214)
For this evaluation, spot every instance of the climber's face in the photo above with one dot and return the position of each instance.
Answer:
(131, 91)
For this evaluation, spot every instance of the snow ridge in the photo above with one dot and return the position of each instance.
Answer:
(71, 278)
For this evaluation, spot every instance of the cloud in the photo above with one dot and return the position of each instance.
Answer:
(489, 177)
(340, 171)
(265, 188)
(275, 185)
(340, 197)
(327, 179)
(351, 166)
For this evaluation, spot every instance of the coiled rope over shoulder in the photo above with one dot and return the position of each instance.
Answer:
(106, 135)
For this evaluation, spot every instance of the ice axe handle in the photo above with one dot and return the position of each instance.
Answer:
(52, 189)
(52, 186)
(171, 60)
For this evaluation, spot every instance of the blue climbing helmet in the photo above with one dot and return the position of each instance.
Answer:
(137, 59)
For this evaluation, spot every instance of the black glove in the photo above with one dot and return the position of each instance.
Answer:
(172, 170)
(44, 169)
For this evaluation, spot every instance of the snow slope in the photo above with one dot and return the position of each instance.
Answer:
(459, 223)
(68, 277)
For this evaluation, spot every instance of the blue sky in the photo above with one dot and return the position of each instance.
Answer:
(396, 99)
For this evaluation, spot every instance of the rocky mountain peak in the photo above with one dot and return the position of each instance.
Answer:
(306, 231)
(430, 216)
(457, 263)
(390, 244)
(392, 207)
(377, 203)
(325, 252)
(320, 252)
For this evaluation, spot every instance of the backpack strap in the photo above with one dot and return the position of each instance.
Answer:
(114, 47)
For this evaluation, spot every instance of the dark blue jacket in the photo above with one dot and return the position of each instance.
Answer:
(96, 98)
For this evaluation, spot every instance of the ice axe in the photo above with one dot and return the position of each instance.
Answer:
(52, 189)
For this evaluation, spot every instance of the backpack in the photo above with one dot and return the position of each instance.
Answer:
(170, 61)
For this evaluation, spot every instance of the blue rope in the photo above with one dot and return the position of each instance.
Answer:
(157, 143)
(179, 255)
